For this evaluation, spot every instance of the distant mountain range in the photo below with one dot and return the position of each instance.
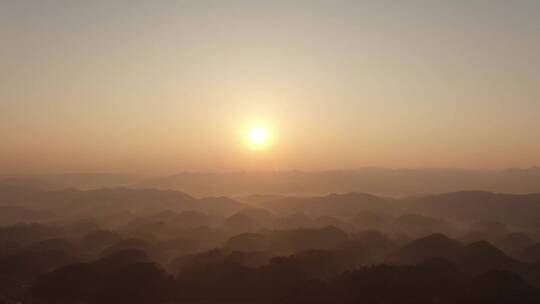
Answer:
(514, 209)
(380, 181)
(23, 202)
(520, 210)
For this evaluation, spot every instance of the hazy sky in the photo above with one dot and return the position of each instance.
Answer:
(168, 86)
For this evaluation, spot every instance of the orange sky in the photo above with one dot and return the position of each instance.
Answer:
(161, 87)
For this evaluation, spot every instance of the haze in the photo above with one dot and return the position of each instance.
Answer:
(158, 87)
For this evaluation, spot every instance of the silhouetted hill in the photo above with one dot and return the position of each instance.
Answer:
(247, 242)
(127, 276)
(415, 225)
(382, 181)
(333, 204)
(305, 239)
(519, 210)
(480, 257)
(81, 181)
(10, 215)
(297, 220)
(515, 242)
(433, 246)
(367, 219)
(498, 286)
(110, 202)
(530, 254)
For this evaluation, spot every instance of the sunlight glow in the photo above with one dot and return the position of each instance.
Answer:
(258, 136)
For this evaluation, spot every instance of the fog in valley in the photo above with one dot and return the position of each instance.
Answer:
(145, 245)
(269, 152)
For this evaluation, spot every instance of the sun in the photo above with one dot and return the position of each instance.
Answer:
(258, 136)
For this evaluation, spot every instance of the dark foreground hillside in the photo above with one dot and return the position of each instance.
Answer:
(128, 277)
(152, 246)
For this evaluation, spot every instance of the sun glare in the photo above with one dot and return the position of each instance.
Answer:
(258, 136)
